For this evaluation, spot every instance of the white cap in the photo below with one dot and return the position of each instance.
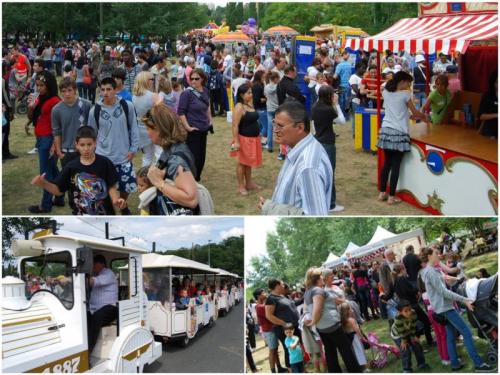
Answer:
(419, 58)
(324, 45)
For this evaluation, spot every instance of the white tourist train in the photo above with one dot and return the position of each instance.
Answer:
(44, 329)
(161, 273)
(229, 292)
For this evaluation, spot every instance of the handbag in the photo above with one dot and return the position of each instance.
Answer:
(87, 79)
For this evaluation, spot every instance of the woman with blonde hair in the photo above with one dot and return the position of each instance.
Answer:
(175, 163)
(164, 89)
(322, 309)
(144, 98)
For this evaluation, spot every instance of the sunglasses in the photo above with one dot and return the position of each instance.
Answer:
(195, 78)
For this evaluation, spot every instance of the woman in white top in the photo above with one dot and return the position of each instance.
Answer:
(312, 73)
(144, 98)
(394, 135)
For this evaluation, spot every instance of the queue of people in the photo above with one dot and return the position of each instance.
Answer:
(192, 87)
(418, 295)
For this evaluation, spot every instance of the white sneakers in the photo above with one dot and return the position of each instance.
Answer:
(337, 208)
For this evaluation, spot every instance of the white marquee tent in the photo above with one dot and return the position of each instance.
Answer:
(334, 260)
(381, 240)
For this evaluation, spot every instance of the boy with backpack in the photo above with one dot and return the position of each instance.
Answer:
(115, 122)
(90, 179)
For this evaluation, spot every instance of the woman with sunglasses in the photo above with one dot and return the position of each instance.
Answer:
(194, 112)
(176, 163)
(246, 139)
(144, 98)
(40, 112)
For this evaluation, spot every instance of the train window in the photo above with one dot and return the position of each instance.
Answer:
(49, 273)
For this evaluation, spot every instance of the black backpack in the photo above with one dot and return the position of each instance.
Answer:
(123, 103)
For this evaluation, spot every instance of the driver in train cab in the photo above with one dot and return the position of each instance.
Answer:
(103, 299)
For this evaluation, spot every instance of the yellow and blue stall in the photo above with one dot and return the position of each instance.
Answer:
(366, 129)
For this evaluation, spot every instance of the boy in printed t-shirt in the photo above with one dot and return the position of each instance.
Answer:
(91, 179)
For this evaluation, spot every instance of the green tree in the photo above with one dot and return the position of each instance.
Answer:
(12, 227)
(239, 13)
(227, 254)
(230, 15)
(218, 15)
(252, 10)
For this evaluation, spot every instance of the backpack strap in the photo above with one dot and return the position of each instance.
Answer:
(124, 105)
(97, 114)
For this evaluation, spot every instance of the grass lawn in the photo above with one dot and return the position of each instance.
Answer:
(381, 328)
(488, 261)
(356, 177)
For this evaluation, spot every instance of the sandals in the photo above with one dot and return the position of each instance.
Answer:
(243, 192)
(255, 187)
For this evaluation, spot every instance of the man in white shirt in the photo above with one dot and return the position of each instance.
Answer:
(269, 62)
(280, 66)
(103, 299)
(228, 59)
(440, 65)
(244, 67)
(391, 66)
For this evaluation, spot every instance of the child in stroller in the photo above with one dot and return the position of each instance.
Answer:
(484, 293)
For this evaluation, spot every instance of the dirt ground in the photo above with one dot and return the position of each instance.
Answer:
(356, 177)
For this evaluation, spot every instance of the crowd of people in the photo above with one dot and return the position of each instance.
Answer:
(418, 295)
(139, 99)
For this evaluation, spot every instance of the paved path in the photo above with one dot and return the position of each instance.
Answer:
(215, 349)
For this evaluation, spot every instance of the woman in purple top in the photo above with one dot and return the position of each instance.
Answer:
(194, 112)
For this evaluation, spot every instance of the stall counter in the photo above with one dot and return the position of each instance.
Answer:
(450, 170)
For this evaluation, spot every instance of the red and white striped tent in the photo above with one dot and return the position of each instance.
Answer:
(382, 239)
(431, 34)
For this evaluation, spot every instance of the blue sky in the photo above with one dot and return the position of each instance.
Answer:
(171, 233)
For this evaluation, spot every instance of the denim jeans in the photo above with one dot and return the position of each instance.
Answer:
(344, 98)
(47, 165)
(314, 96)
(456, 323)
(270, 118)
(332, 155)
(263, 122)
(82, 90)
(416, 348)
(419, 99)
(297, 368)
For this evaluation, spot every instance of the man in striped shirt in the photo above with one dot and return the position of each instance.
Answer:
(304, 184)
(103, 299)
(131, 69)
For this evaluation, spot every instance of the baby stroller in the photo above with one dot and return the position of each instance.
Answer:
(380, 351)
(484, 293)
(22, 97)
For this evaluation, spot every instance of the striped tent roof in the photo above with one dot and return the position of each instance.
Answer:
(232, 37)
(431, 34)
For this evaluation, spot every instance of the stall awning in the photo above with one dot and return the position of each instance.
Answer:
(431, 34)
